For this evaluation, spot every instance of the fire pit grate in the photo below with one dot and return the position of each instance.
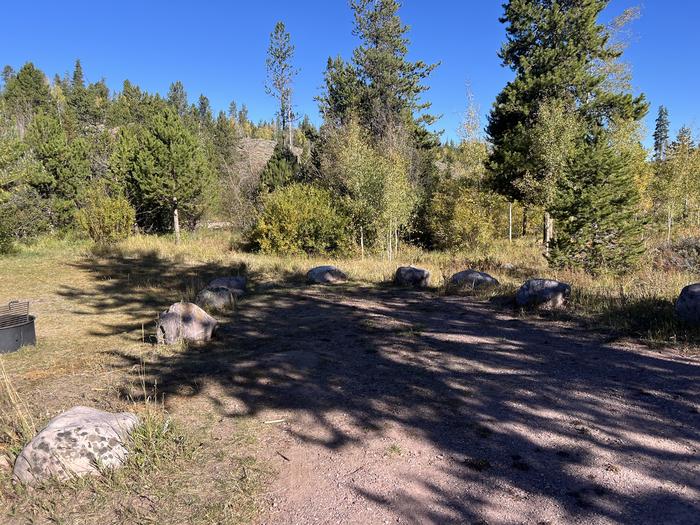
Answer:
(16, 326)
(13, 314)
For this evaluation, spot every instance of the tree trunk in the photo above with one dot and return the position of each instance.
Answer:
(546, 231)
(289, 123)
(176, 222)
(524, 230)
(510, 222)
(669, 223)
(362, 242)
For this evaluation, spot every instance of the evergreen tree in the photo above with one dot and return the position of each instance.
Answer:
(391, 83)
(280, 75)
(596, 213)
(177, 98)
(204, 114)
(661, 133)
(66, 166)
(26, 93)
(165, 169)
(78, 80)
(341, 100)
(554, 48)
(78, 98)
(281, 170)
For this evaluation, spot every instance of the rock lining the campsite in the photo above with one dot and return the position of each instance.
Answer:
(543, 293)
(471, 280)
(184, 322)
(412, 276)
(688, 304)
(325, 275)
(78, 442)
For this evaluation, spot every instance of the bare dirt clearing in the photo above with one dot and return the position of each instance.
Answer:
(370, 404)
(397, 406)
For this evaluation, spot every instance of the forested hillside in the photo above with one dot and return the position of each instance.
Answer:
(561, 155)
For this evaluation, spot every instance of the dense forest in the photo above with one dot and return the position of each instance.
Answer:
(561, 155)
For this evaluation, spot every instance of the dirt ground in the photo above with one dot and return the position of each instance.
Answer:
(376, 405)
(389, 406)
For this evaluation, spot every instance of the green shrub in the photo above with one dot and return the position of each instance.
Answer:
(104, 218)
(300, 218)
(460, 217)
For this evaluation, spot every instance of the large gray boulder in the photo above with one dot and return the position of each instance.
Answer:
(471, 280)
(542, 293)
(325, 275)
(688, 304)
(184, 322)
(412, 276)
(78, 442)
(218, 298)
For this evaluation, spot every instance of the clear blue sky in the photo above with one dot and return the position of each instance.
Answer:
(218, 48)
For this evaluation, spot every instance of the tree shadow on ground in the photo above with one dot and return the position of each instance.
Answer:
(542, 412)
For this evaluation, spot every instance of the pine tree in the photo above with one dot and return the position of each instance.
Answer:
(281, 170)
(26, 93)
(280, 75)
(381, 87)
(554, 47)
(78, 98)
(661, 133)
(167, 175)
(596, 213)
(204, 114)
(341, 100)
(177, 98)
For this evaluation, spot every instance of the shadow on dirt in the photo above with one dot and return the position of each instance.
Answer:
(487, 389)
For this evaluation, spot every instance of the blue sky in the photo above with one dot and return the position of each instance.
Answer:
(218, 48)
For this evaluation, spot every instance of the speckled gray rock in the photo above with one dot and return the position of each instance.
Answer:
(75, 443)
(184, 321)
(471, 280)
(542, 293)
(218, 298)
(688, 304)
(325, 275)
(236, 282)
(412, 276)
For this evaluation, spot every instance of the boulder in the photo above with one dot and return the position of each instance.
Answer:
(688, 304)
(471, 280)
(78, 442)
(325, 275)
(184, 321)
(218, 298)
(542, 293)
(235, 282)
(412, 276)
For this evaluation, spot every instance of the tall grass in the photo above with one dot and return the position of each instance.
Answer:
(17, 426)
